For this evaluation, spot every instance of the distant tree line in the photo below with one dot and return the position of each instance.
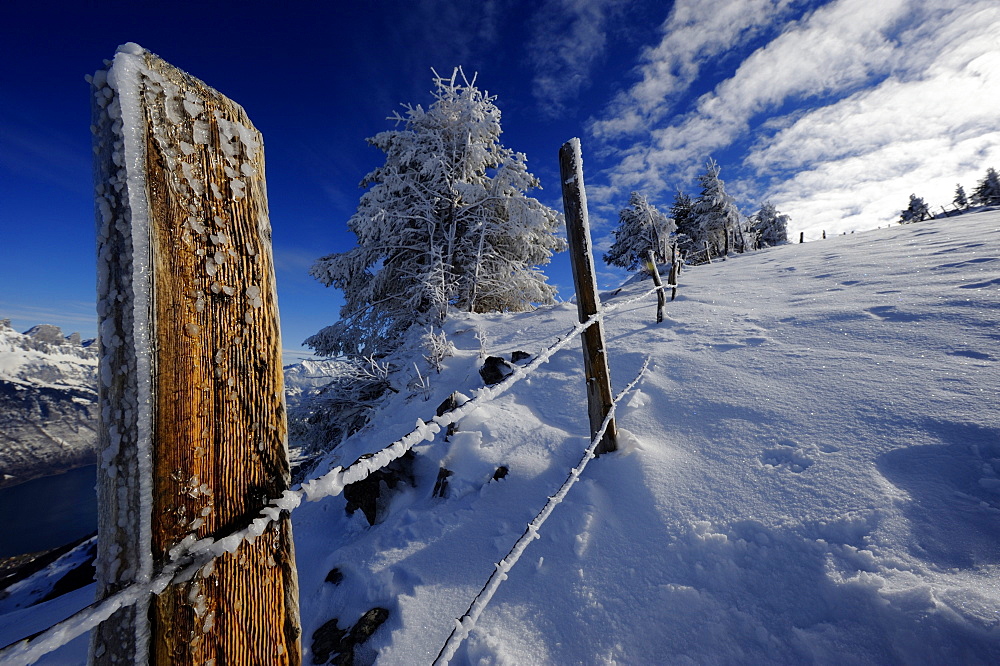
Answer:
(986, 193)
(704, 227)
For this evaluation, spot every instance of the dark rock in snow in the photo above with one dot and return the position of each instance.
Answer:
(371, 494)
(501, 473)
(519, 356)
(335, 576)
(334, 645)
(368, 625)
(326, 641)
(450, 403)
(494, 370)
(441, 485)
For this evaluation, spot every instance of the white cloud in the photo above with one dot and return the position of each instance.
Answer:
(568, 37)
(842, 45)
(695, 32)
(879, 99)
(957, 95)
(932, 124)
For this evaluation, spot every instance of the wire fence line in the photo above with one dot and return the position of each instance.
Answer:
(191, 555)
(465, 624)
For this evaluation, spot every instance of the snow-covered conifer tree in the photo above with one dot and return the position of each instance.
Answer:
(714, 213)
(680, 212)
(641, 228)
(960, 200)
(987, 192)
(445, 222)
(770, 225)
(916, 211)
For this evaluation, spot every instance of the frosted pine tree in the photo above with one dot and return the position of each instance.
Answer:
(987, 192)
(916, 211)
(961, 201)
(445, 222)
(770, 226)
(680, 212)
(641, 228)
(713, 213)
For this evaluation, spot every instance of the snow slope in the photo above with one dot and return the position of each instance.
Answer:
(810, 473)
(814, 477)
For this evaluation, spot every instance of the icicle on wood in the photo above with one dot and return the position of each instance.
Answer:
(193, 427)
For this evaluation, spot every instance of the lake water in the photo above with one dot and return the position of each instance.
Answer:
(48, 512)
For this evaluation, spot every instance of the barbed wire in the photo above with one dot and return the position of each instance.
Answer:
(465, 624)
(191, 554)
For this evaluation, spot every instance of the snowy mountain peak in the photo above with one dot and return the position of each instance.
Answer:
(48, 402)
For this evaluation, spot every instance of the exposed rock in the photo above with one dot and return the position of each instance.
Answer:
(519, 356)
(371, 494)
(335, 576)
(495, 370)
(334, 645)
(47, 333)
(450, 403)
(441, 485)
(501, 473)
(326, 641)
(368, 625)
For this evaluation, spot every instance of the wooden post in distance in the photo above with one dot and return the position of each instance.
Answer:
(193, 427)
(661, 298)
(675, 270)
(588, 303)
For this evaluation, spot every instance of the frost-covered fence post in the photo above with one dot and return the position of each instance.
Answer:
(661, 298)
(675, 270)
(588, 303)
(192, 419)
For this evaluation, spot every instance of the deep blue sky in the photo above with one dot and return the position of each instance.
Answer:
(833, 109)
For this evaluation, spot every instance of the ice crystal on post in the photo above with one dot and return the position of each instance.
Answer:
(125, 482)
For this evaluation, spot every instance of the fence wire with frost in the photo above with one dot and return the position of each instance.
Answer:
(465, 624)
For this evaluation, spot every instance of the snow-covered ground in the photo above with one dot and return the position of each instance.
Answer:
(810, 473)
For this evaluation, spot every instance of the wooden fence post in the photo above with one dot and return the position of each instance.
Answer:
(675, 270)
(588, 303)
(193, 434)
(661, 298)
